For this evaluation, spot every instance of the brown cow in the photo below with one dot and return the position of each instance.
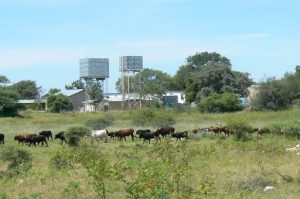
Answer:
(123, 133)
(24, 138)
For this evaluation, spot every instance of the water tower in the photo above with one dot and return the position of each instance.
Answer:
(129, 65)
(94, 70)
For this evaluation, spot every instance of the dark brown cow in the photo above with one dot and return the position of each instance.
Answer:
(123, 133)
(24, 138)
(1, 138)
(164, 131)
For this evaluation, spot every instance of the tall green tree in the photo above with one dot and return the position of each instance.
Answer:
(148, 84)
(26, 88)
(210, 72)
(77, 84)
(95, 92)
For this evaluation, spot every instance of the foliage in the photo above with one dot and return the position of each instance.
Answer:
(204, 93)
(59, 103)
(26, 88)
(97, 166)
(165, 176)
(53, 91)
(273, 95)
(75, 133)
(95, 92)
(148, 84)
(77, 84)
(210, 70)
(8, 105)
(150, 117)
(191, 91)
(72, 190)
(100, 122)
(19, 160)
(242, 130)
(59, 160)
(3, 79)
(226, 102)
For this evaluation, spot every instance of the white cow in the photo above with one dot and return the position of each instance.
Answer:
(96, 134)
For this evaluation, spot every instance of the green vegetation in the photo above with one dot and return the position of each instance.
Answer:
(206, 166)
(216, 103)
(59, 103)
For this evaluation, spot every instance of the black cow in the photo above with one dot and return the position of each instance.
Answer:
(61, 136)
(47, 134)
(37, 139)
(141, 132)
(1, 138)
(111, 135)
(180, 135)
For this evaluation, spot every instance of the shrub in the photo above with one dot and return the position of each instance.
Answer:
(165, 176)
(273, 95)
(59, 103)
(19, 160)
(241, 129)
(96, 164)
(100, 122)
(226, 102)
(149, 117)
(60, 160)
(74, 134)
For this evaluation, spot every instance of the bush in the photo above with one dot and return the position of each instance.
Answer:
(273, 95)
(226, 102)
(60, 160)
(74, 134)
(19, 160)
(100, 122)
(149, 117)
(241, 129)
(59, 103)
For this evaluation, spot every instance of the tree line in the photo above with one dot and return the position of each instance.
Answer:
(207, 80)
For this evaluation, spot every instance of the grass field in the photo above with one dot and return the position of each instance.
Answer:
(206, 166)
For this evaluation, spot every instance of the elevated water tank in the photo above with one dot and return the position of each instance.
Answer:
(131, 63)
(94, 68)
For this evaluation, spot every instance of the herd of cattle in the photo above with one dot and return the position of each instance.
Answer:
(142, 134)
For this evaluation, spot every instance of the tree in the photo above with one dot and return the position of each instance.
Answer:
(26, 88)
(53, 91)
(95, 92)
(77, 84)
(3, 79)
(273, 94)
(148, 83)
(59, 103)
(213, 71)
(226, 102)
(8, 105)
(205, 58)
(191, 91)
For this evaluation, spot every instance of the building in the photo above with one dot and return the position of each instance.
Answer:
(77, 97)
(33, 104)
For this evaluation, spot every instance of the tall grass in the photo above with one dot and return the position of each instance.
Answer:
(218, 166)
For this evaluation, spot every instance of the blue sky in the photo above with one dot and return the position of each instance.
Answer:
(43, 40)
